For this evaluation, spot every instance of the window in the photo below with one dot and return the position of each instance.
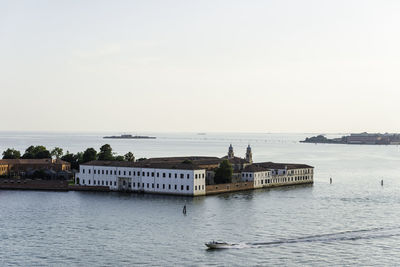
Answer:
(187, 188)
(202, 175)
(158, 174)
(134, 173)
(124, 172)
(89, 182)
(94, 171)
(107, 182)
(181, 187)
(182, 175)
(203, 187)
(115, 183)
(176, 187)
(129, 173)
(152, 185)
(169, 186)
(163, 186)
(169, 175)
(94, 181)
(89, 171)
(119, 172)
(195, 187)
(195, 176)
(115, 172)
(102, 171)
(176, 175)
(106, 171)
(152, 174)
(158, 186)
(83, 170)
(134, 184)
(187, 176)
(148, 174)
(148, 185)
(102, 182)
(143, 174)
(163, 175)
(83, 181)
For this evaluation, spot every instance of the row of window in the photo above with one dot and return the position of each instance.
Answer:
(149, 174)
(247, 175)
(100, 182)
(282, 180)
(302, 171)
(141, 185)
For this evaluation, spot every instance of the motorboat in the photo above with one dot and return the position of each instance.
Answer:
(219, 245)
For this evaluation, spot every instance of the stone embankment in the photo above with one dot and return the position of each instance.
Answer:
(231, 187)
(51, 185)
(55, 185)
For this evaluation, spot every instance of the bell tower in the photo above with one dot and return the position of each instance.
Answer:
(249, 155)
(230, 152)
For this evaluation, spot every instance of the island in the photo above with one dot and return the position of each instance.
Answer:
(129, 136)
(357, 139)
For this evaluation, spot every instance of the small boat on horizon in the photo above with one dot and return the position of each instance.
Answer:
(129, 136)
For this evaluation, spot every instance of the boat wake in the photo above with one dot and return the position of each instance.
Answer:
(373, 233)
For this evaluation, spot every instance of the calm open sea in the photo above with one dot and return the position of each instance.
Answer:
(354, 221)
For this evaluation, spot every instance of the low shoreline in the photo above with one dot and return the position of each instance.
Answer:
(64, 186)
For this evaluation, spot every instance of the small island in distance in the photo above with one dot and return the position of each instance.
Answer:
(129, 136)
(357, 139)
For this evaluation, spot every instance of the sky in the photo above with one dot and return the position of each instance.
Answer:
(200, 66)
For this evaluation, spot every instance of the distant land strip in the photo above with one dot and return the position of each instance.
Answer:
(358, 139)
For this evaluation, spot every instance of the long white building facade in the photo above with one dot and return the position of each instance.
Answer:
(187, 175)
(178, 179)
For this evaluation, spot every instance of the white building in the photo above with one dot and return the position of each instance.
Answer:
(268, 174)
(162, 178)
(187, 175)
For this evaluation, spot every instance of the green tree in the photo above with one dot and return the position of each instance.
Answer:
(11, 153)
(29, 153)
(89, 155)
(223, 173)
(73, 159)
(119, 158)
(57, 152)
(129, 156)
(36, 152)
(43, 154)
(105, 153)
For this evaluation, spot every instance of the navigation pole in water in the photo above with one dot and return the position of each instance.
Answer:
(184, 209)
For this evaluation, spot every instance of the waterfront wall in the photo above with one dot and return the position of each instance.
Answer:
(28, 184)
(242, 186)
(56, 185)
(51, 185)
(231, 187)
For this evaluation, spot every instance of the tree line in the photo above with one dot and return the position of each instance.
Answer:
(41, 152)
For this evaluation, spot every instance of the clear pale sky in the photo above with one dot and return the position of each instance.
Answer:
(241, 66)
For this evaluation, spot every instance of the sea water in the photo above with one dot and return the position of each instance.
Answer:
(353, 221)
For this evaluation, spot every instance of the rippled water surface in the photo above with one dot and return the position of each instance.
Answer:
(354, 221)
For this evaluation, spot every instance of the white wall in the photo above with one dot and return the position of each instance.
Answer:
(151, 180)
